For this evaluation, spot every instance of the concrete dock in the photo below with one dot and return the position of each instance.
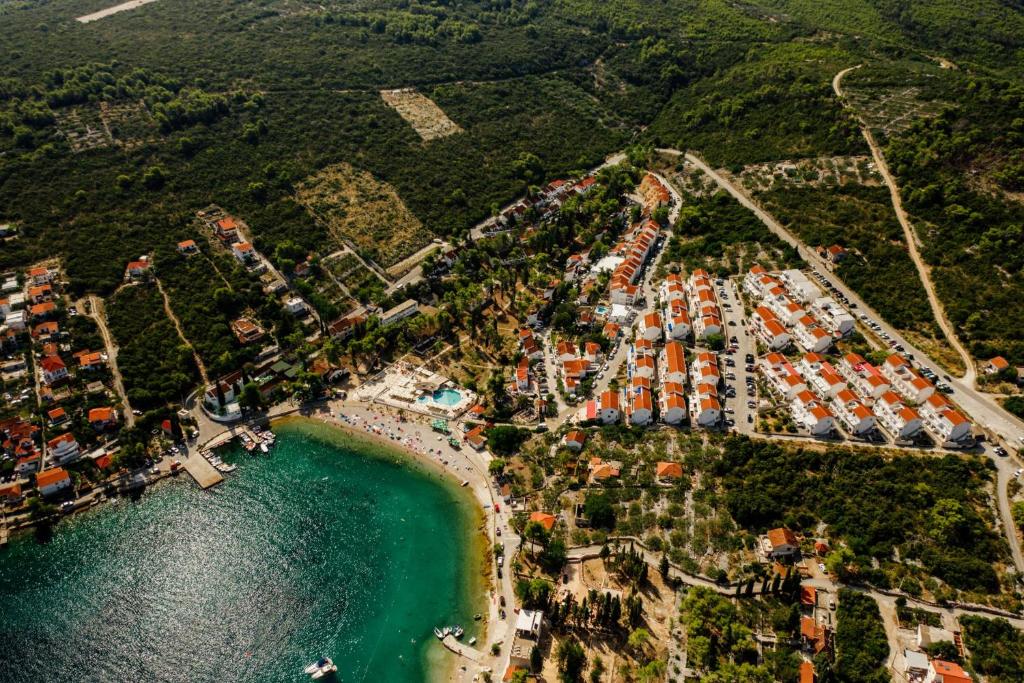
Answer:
(205, 474)
(466, 651)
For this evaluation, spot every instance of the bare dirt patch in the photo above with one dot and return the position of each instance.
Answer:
(363, 212)
(420, 112)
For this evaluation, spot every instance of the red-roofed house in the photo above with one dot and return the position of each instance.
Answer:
(56, 416)
(781, 542)
(610, 407)
(102, 418)
(91, 361)
(945, 672)
(188, 247)
(227, 229)
(476, 439)
(53, 370)
(544, 519)
(63, 447)
(575, 439)
(244, 253)
(136, 270)
(668, 471)
(996, 365)
(600, 470)
(52, 481)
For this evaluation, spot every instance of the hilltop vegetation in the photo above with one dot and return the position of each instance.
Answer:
(957, 173)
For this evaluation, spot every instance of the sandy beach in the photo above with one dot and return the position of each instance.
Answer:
(414, 436)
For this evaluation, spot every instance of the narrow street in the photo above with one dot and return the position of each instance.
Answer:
(99, 314)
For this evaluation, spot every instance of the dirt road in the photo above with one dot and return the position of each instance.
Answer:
(99, 314)
(923, 270)
(181, 333)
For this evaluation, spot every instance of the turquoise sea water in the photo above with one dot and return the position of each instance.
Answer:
(331, 545)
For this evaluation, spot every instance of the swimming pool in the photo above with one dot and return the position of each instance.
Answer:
(442, 397)
(601, 310)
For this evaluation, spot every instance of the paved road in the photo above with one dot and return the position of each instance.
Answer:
(981, 408)
(923, 270)
(734, 326)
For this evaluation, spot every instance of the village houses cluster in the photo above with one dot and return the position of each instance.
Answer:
(49, 371)
(852, 393)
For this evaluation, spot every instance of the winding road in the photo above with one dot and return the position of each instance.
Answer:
(913, 241)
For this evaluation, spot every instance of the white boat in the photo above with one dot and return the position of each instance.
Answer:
(324, 672)
(317, 665)
(457, 631)
(320, 668)
(439, 633)
(264, 448)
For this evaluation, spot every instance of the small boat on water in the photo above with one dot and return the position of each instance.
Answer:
(472, 641)
(439, 633)
(321, 668)
(264, 448)
(457, 631)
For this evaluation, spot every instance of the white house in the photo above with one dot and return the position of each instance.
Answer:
(809, 411)
(62, 448)
(673, 363)
(809, 335)
(782, 376)
(609, 407)
(677, 320)
(406, 309)
(673, 403)
(833, 316)
(244, 253)
(708, 410)
(770, 329)
(52, 370)
(854, 415)
(640, 406)
(900, 419)
(53, 481)
(944, 421)
(650, 327)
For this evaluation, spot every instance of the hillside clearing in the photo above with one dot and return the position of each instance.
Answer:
(420, 112)
(364, 212)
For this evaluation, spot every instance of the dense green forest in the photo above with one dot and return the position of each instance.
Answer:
(997, 648)
(932, 510)
(957, 171)
(113, 133)
(861, 645)
(157, 368)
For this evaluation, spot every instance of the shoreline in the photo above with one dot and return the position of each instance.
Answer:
(415, 440)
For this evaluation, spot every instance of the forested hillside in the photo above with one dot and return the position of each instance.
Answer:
(113, 132)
